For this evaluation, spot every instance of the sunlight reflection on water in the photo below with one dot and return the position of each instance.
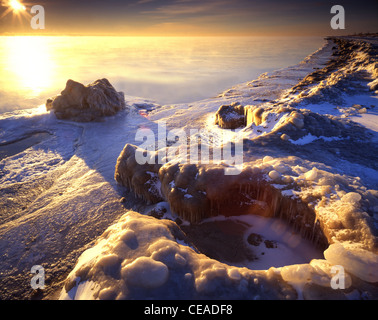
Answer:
(29, 64)
(168, 70)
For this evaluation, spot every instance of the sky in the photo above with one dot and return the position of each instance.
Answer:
(191, 17)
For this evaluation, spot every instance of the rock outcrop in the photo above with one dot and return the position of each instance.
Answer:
(81, 103)
(230, 116)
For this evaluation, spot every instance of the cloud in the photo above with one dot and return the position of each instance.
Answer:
(187, 7)
(145, 1)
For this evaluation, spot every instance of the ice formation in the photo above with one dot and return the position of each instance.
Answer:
(87, 103)
(331, 208)
(309, 177)
(139, 257)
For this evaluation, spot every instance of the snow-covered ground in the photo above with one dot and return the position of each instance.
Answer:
(61, 207)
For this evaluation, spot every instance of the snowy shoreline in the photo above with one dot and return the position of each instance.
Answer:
(60, 195)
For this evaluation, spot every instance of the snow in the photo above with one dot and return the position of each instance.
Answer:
(310, 138)
(60, 198)
(289, 247)
(368, 120)
(82, 292)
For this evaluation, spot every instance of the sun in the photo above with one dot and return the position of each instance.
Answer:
(16, 6)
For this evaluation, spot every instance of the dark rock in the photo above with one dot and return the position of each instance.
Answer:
(254, 239)
(158, 213)
(270, 244)
(230, 116)
(86, 103)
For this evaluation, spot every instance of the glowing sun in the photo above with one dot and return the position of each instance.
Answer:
(15, 7)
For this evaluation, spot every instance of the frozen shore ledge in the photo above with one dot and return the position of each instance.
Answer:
(308, 183)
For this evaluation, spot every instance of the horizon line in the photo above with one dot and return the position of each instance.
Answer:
(8, 34)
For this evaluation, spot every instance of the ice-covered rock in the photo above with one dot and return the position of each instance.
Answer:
(293, 124)
(353, 60)
(141, 178)
(312, 174)
(230, 116)
(373, 86)
(196, 192)
(82, 103)
(314, 281)
(156, 266)
(141, 257)
(254, 115)
(356, 260)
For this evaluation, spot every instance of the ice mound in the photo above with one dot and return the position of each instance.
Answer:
(230, 116)
(354, 258)
(139, 257)
(82, 103)
(313, 281)
(292, 124)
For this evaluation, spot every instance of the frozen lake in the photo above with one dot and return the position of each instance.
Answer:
(164, 69)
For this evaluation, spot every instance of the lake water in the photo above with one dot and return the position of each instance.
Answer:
(167, 70)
